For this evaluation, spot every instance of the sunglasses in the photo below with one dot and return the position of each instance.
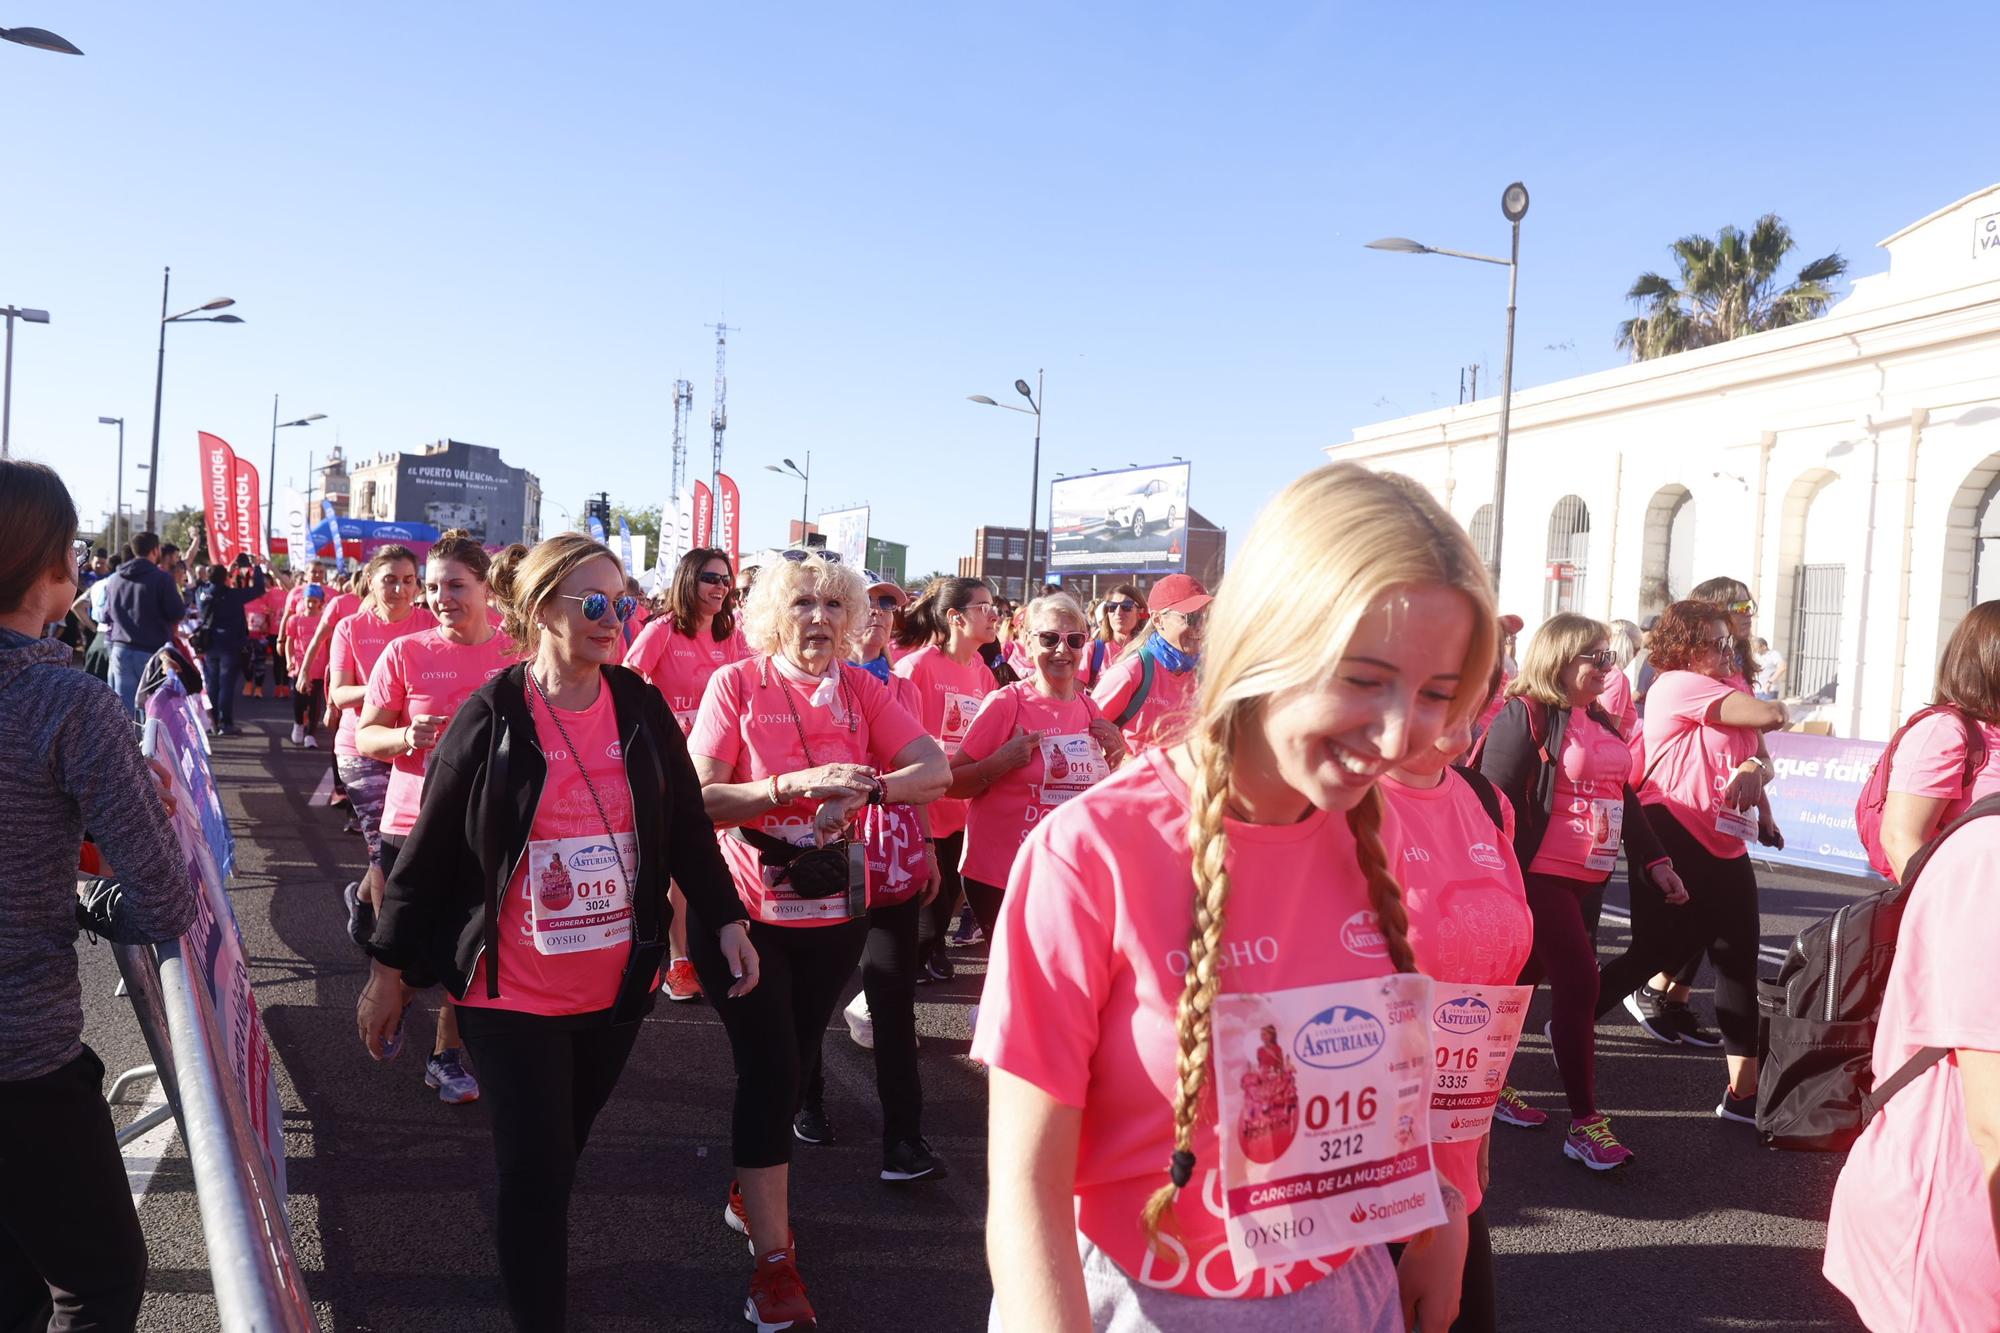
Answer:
(711, 578)
(1603, 661)
(1048, 638)
(797, 556)
(1742, 608)
(1723, 643)
(979, 606)
(1122, 607)
(595, 604)
(885, 603)
(1193, 619)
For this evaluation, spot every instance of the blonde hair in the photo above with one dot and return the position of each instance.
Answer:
(780, 581)
(524, 578)
(1055, 604)
(1356, 535)
(1559, 639)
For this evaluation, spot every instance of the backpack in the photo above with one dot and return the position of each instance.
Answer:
(1816, 1084)
(1139, 696)
(1488, 794)
(1875, 791)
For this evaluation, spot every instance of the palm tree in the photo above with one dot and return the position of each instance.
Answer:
(1728, 287)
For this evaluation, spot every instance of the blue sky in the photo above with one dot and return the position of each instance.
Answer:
(509, 224)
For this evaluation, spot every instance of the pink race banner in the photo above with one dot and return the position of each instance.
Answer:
(245, 507)
(728, 513)
(218, 492)
(704, 515)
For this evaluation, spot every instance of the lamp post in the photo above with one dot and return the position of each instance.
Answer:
(118, 508)
(1513, 207)
(1034, 398)
(39, 38)
(804, 474)
(194, 316)
(10, 314)
(271, 477)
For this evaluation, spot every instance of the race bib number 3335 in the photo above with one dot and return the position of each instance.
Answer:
(1323, 1102)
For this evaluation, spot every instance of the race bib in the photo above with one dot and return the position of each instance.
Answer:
(780, 904)
(577, 895)
(1736, 823)
(1322, 1100)
(1474, 1030)
(1071, 764)
(1607, 828)
(959, 710)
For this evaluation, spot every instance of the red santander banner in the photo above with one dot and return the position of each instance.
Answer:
(247, 509)
(704, 515)
(218, 493)
(728, 514)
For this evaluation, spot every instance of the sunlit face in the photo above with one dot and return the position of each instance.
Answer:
(1124, 613)
(458, 597)
(978, 620)
(1432, 760)
(573, 637)
(1715, 655)
(1385, 701)
(880, 624)
(712, 588)
(1183, 629)
(813, 628)
(1583, 679)
(1056, 662)
(394, 587)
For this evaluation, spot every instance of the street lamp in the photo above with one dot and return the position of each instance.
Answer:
(39, 38)
(271, 477)
(118, 507)
(1034, 398)
(804, 474)
(12, 313)
(1513, 207)
(194, 316)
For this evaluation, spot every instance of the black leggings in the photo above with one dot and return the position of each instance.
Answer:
(889, 980)
(308, 702)
(1476, 1310)
(1721, 916)
(1566, 955)
(543, 1081)
(935, 920)
(985, 899)
(774, 1031)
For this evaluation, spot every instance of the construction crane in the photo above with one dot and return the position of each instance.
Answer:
(683, 409)
(718, 417)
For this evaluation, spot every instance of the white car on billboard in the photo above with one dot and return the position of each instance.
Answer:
(1146, 504)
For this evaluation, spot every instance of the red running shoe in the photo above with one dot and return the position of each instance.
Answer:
(682, 983)
(777, 1298)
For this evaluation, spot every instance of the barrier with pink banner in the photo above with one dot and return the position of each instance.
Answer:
(1819, 779)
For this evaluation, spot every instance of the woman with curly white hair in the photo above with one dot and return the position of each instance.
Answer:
(791, 745)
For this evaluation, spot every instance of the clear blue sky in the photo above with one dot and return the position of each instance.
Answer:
(509, 224)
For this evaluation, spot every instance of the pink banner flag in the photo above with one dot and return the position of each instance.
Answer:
(218, 488)
(728, 515)
(247, 508)
(704, 515)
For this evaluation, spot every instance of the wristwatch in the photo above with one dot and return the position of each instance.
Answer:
(879, 793)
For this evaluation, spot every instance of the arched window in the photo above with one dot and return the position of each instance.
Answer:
(1481, 533)
(1667, 567)
(1986, 547)
(1568, 551)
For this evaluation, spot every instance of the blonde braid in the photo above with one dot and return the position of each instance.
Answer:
(1385, 895)
(1208, 802)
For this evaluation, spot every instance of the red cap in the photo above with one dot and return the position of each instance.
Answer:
(1177, 592)
(1512, 624)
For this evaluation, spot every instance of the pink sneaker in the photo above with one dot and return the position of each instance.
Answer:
(1592, 1143)
(1513, 1109)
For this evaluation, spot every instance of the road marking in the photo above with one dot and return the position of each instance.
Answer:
(143, 1154)
(323, 794)
(1766, 952)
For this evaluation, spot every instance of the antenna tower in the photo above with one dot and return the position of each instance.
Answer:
(718, 417)
(683, 409)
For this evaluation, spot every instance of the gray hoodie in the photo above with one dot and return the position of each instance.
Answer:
(69, 760)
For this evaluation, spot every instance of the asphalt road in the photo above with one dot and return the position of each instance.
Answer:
(392, 1192)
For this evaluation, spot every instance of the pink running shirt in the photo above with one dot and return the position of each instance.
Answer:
(1910, 1240)
(1087, 969)
(1930, 761)
(1469, 919)
(950, 694)
(1167, 705)
(298, 633)
(358, 642)
(532, 982)
(746, 725)
(1616, 701)
(999, 819)
(1591, 773)
(679, 667)
(427, 673)
(1691, 760)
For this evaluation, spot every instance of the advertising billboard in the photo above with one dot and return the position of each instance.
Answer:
(1130, 521)
(847, 533)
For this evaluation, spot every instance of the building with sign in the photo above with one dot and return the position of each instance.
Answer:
(1845, 469)
(450, 484)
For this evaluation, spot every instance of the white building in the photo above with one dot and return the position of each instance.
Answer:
(1845, 469)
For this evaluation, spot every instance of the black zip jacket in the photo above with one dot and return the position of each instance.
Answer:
(1515, 763)
(441, 907)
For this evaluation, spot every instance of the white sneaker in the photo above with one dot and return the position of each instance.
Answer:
(298, 734)
(312, 742)
(860, 1023)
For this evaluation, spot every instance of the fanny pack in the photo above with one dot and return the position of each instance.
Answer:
(813, 872)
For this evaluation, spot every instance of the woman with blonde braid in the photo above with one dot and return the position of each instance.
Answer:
(1121, 951)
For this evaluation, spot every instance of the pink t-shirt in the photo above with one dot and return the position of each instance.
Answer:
(950, 695)
(898, 850)
(298, 633)
(1616, 701)
(1930, 761)
(1591, 773)
(1167, 705)
(1910, 1240)
(358, 642)
(1469, 919)
(999, 819)
(563, 983)
(427, 673)
(1691, 760)
(679, 667)
(750, 721)
(1088, 677)
(1087, 969)
(342, 605)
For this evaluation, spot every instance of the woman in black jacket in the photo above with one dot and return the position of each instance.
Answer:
(225, 623)
(1563, 764)
(557, 808)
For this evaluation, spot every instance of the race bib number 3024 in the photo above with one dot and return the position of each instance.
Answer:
(577, 900)
(1323, 1102)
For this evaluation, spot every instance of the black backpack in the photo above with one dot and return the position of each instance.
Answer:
(1816, 1084)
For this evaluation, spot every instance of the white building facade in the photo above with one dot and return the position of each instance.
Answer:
(1845, 469)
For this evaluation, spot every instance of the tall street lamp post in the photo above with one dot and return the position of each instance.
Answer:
(118, 506)
(271, 477)
(1513, 207)
(10, 314)
(1034, 398)
(804, 474)
(39, 38)
(194, 316)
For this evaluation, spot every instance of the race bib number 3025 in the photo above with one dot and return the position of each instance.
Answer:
(1323, 1102)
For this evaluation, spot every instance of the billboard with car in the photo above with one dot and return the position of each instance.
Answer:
(1130, 521)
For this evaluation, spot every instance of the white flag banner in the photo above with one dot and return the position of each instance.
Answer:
(625, 545)
(298, 541)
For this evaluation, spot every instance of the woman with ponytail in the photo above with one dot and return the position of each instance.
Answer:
(1120, 944)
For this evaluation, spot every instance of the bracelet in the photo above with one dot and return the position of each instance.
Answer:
(776, 800)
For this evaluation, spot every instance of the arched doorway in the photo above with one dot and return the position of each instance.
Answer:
(1666, 571)
(1819, 587)
(1568, 556)
(1481, 532)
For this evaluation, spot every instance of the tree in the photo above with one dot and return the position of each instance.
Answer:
(1728, 287)
(643, 522)
(187, 528)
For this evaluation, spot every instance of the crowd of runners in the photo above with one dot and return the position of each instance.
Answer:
(1267, 874)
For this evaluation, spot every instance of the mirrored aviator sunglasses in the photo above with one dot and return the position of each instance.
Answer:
(595, 604)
